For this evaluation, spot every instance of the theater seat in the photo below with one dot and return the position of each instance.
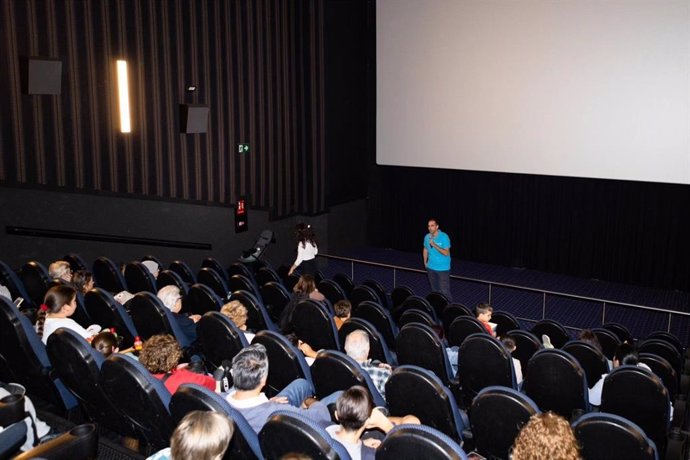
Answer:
(79, 443)
(399, 294)
(105, 311)
(527, 345)
(287, 363)
(609, 341)
(345, 283)
(378, 349)
(275, 298)
(11, 281)
(170, 278)
(108, 276)
(182, 269)
(201, 299)
(211, 278)
(242, 283)
(379, 290)
(36, 281)
(333, 371)
(438, 301)
(504, 322)
(363, 293)
(604, 436)
(12, 437)
(151, 317)
(213, 264)
(139, 278)
(267, 274)
(314, 325)
(380, 318)
(414, 442)
(416, 302)
(419, 345)
(219, 338)
(462, 327)
(557, 333)
(451, 312)
(257, 316)
(593, 362)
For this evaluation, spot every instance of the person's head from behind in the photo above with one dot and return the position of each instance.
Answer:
(236, 312)
(60, 269)
(343, 309)
(305, 285)
(305, 233)
(353, 408)
(587, 336)
(106, 343)
(201, 435)
(83, 281)
(171, 298)
(484, 312)
(357, 345)
(60, 301)
(546, 436)
(152, 267)
(160, 354)
(250, 368)
(509, 343)
(626, 354)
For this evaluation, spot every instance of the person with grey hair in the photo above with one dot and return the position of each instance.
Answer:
(60, 269)
(250, 373)
(152, 267)
(357, 348)
(171, 298)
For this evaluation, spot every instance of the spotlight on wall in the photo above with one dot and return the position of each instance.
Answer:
(123, 93)
(191, 88)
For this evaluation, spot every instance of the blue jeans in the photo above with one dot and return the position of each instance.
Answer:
(440, 282)
(300, 389)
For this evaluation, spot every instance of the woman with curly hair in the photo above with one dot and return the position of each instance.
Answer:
(306, 250)
(59, 303)
(161, 355)
(238, 314)
(546, 436)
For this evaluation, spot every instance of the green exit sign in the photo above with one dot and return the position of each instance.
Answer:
(242, 148)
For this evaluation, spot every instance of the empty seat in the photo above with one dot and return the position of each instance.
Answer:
(416, 316)
(609, 341)
(214, 280)
(665, 349)
(267, 274)
(662, 369)
(438, 301)
(399, 294)
(151, 317)
(363, 293)
(667, 337)
(412, 442)
(622, 332)
(220, 339)
(105, 311)
(345, 282)
(379, 290)
(213, 264)
(275, 298)
(201, 299)
(451, 312)
(380, 318)
(419, 303)
(139, 278)
(286, 362)
(108, 276)
(419, 345)
(604, 436)
(182, 269)
(504, 322)
(314, 325)
(242, 283)
(555, 330)
(36, 281)
(238, 268)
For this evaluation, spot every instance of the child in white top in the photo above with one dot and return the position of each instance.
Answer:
(59, 304)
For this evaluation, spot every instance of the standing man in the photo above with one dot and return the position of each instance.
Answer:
(437, 259)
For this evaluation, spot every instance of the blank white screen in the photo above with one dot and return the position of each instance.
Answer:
(584, 88)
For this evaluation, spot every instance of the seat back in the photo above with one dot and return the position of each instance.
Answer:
(379, 290)
(667, 337)
(151, 317)
(609, 341)
(238, 268)
(214, 280)
(411, 442)
(556, 382)
(141, 397)
(36, 281)
(497, 415)
(105, 311)
(108, 276)
(416, 316)
(663, 348)
(314, 325)
(257, 316)
(363, 293)
(504, 322)
(438, 301)
(11, 281)
(12, 437)
(399, 294)
(220, 339)
(593, 362)
(419, 345)
(603, 436)
(416, 302)
(556, 332)
(380, 318)
(24, 359)
(286, 362)
(287, 432)
(75, 261)
(170, 278)
(622, 332)
(451, 312)
(139, 278)
(462, 327)
(483, 361)
(527, 345)
(331, 290)
(333, 371)
(182, 269)
(201, 299)
(640, 396)
(242, 283)
(189, 397)
(216, 266)
(267, 274)
(662, 369)
(275, 298)
(345, 283)
(79, 367)
(413, 390)
(378, 350)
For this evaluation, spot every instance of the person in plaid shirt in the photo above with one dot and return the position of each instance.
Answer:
(357, 348)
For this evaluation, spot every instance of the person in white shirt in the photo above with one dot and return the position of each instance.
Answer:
(59, 304)
(625, 354)
(307, 250)
(509, 344)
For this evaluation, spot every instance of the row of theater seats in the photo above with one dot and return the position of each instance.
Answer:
(319, 315)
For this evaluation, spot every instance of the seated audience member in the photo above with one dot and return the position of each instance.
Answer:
(509, 344)
(306, 349)
(4, 292)
(483, 313)
(357, 348)
(59, 304)
(106, 343)
(172, 299)
(238, 315)
(60, 270)
(82, 280)
(587, 336)
(546, 436)
(250, 372)
(303, 290)
(152, 267)
(343, 309)
(625, 354)
(201, 435)
(355, 413)
(31, 419)
(161, 356)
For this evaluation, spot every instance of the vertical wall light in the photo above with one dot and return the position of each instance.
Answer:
(123, 93)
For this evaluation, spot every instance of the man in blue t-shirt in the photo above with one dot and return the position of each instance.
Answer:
(437, 259)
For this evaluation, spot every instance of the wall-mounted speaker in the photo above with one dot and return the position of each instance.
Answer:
(41, 75)
(193, 118)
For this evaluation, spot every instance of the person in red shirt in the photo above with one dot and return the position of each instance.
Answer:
(161, 355)
(484, 312)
